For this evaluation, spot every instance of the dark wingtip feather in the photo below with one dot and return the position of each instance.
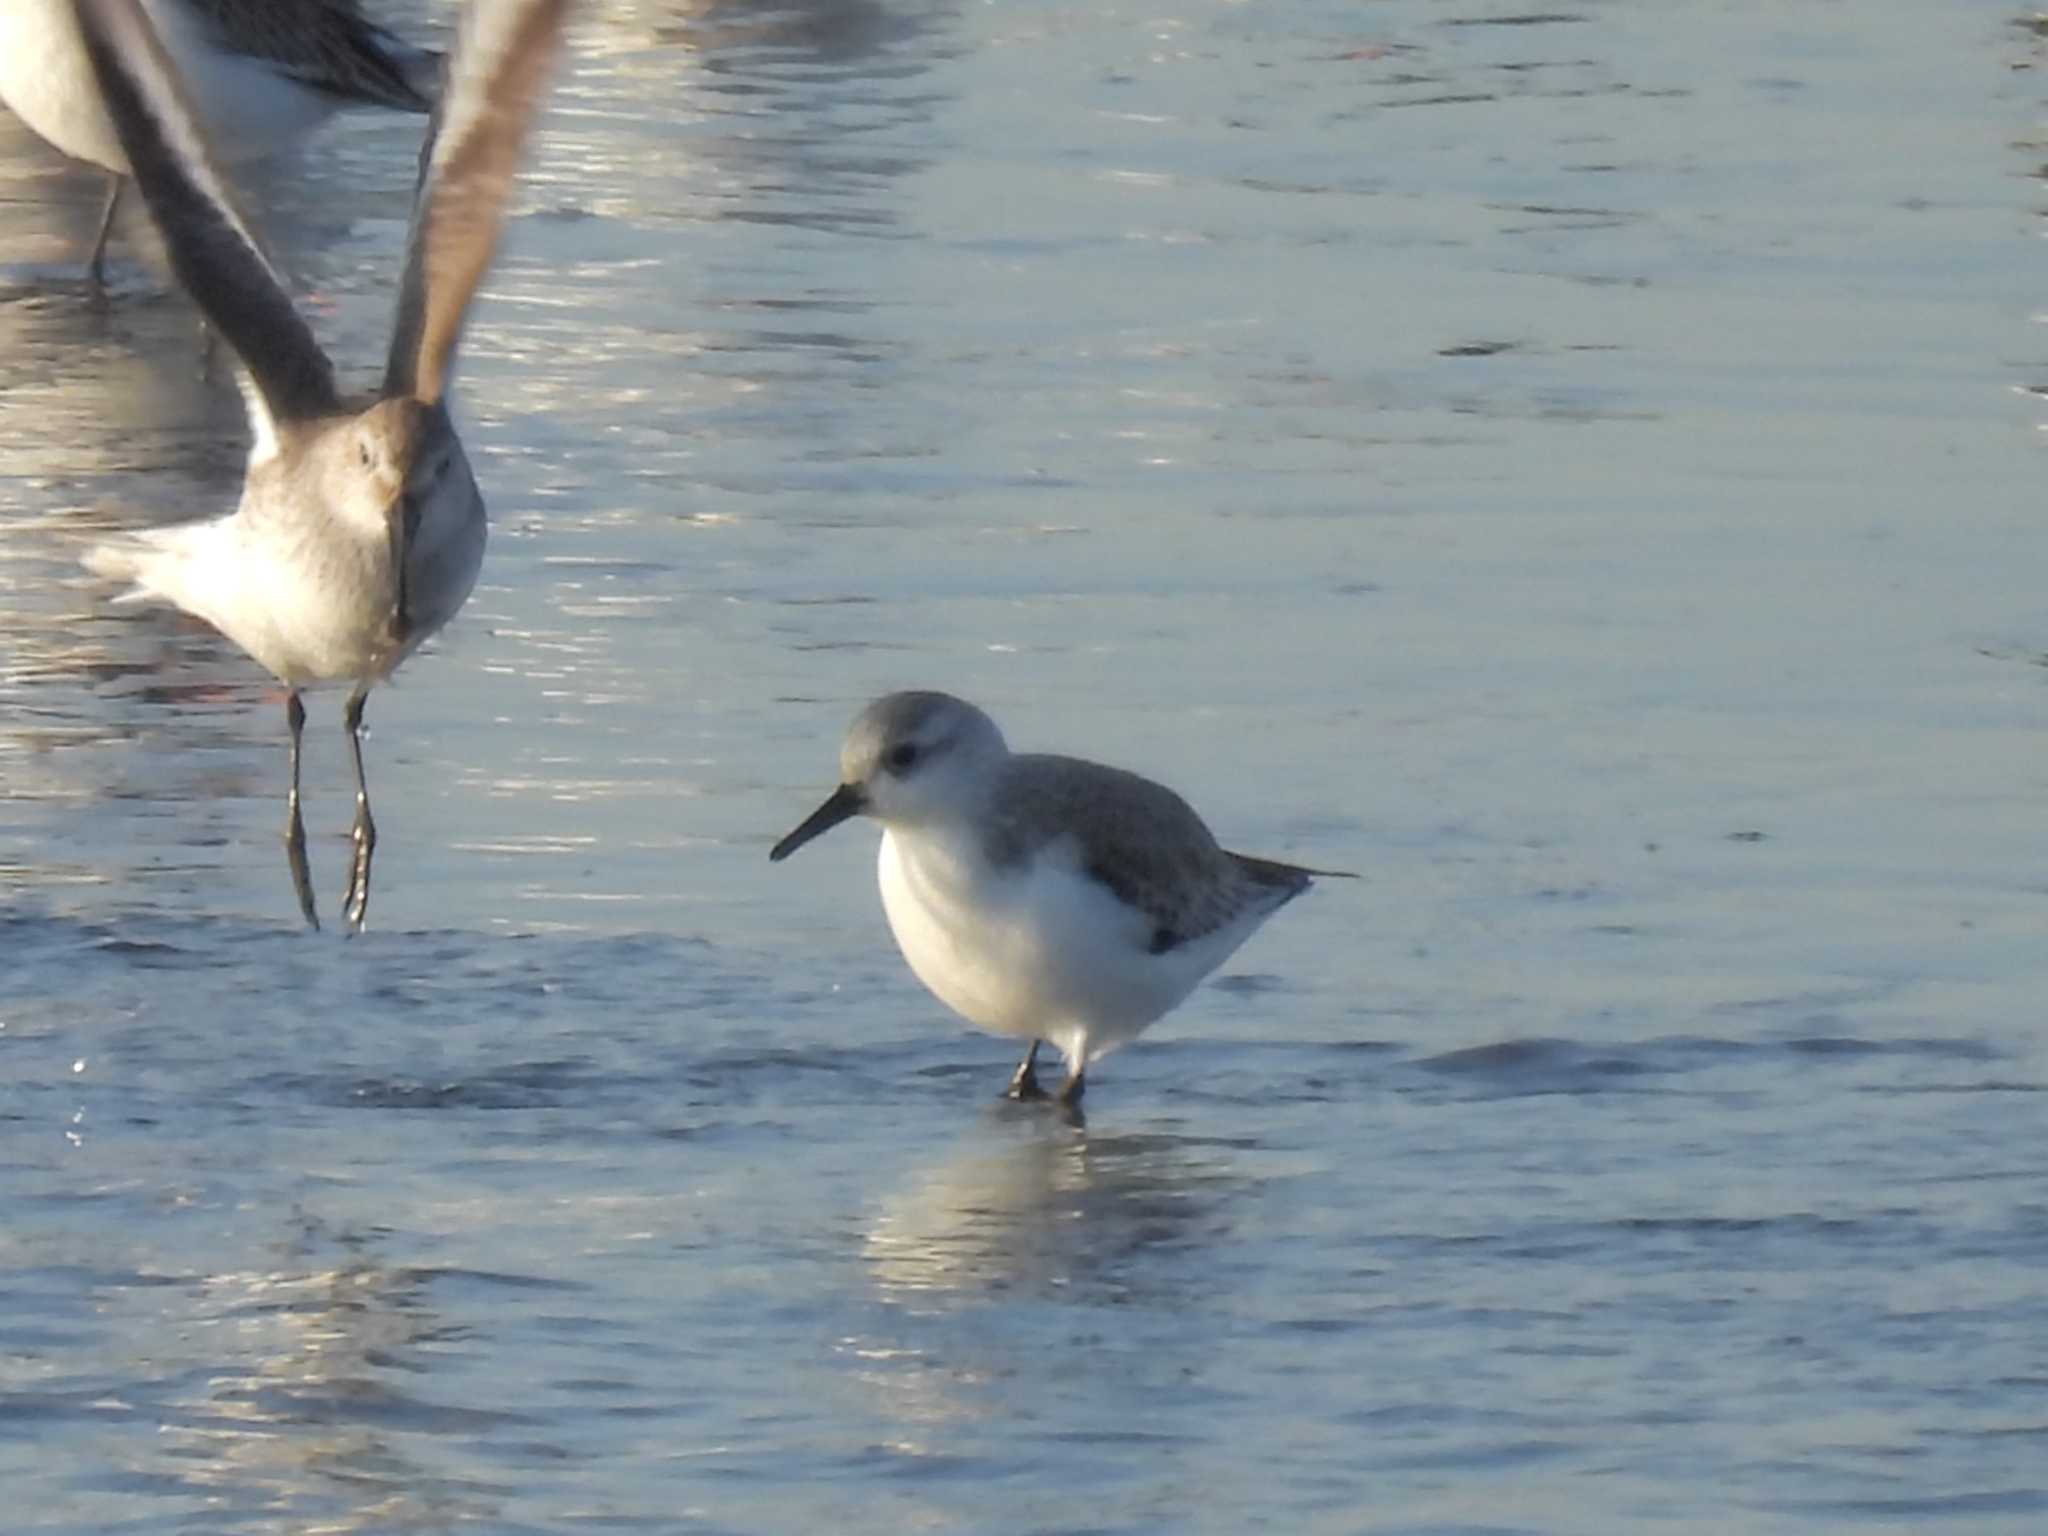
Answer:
(328, 46)
(392, 73)
(1296, 876)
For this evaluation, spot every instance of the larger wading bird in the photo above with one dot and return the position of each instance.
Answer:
(360, 528)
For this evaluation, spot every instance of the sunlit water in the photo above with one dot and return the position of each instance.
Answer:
(1578, 467)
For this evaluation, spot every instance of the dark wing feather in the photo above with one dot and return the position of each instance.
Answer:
(488, 100)
(327, 45)
(1295, 877)
(215, 255)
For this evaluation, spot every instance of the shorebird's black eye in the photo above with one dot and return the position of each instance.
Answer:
(363, 453)
(900, 757)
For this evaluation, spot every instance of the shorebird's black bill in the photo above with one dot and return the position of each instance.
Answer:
(846, 801)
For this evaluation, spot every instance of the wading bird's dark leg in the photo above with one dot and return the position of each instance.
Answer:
(1068, 1099)
(355, 903)
(96, 265)
(294, 828)
(1024, 1081)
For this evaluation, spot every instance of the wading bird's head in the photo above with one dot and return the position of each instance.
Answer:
(908, 758)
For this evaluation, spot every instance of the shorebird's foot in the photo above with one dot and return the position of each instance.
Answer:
(294, 825)
(295, 855)
(1024, 1085)
(355, 903)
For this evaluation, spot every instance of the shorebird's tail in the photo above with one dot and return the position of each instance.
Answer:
(144, 559)
(1295, 877)
(120, 559)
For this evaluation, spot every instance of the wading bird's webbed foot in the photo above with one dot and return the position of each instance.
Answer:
(294, 826)
(355, 902)
(1024, 1081)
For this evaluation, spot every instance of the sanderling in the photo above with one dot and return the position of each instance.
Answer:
(360, 529)
(1039, 896)
(260, 73)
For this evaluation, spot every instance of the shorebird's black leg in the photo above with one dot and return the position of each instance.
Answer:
(96, 265)
(1024, 1081)
(1068, 1099)
(294, 827)
(355, 904)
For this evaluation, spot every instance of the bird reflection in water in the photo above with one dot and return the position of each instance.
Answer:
(310, 1414)
(1050, 1213)
(988, 1264)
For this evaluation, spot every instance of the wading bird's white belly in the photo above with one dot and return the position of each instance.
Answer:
(308, 614)
(1039, 951)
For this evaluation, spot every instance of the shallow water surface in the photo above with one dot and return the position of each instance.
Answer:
(1578, 468)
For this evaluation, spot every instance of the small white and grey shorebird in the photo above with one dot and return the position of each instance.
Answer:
(1046, 897)
(360, 529)
(261, 73)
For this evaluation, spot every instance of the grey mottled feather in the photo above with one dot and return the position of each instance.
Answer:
(1138, 838)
